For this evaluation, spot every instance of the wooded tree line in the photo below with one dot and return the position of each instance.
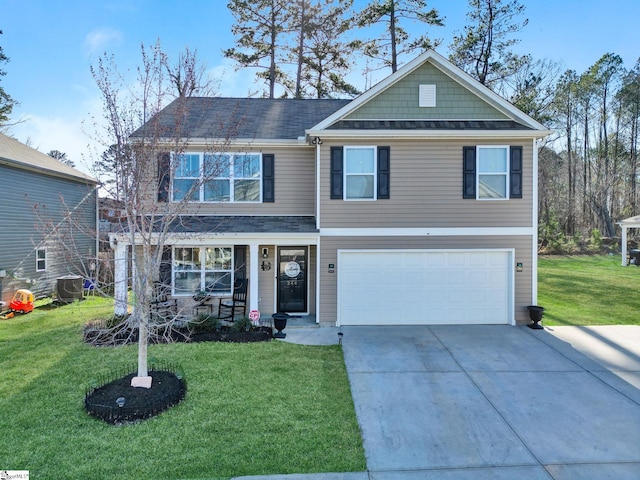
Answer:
(589, 172)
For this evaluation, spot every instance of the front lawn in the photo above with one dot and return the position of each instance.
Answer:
(259, 408)
(588, 290)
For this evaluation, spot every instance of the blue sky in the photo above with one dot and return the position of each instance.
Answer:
(52, 44)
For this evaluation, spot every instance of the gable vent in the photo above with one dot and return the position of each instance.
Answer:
(427, 96)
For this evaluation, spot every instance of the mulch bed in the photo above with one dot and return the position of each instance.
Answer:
(167, 389)
(96, 335)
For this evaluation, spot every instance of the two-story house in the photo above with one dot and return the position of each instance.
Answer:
(414, 203)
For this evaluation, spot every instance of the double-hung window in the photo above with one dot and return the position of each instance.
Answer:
(360, 173)
(493, 172)
(41, 259)
(207, 269)
(186, 184)
(223, 177)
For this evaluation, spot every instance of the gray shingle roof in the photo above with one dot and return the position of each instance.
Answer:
(246, 118)
(20, 155)
(244, 224)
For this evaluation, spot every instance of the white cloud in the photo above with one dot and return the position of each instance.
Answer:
(98, 39)
(62, 134)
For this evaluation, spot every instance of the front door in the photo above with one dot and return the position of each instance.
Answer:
(292, 279)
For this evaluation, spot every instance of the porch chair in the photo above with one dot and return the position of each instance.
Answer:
(162, 307)
(237, 304)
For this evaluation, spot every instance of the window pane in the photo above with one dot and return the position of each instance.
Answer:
(187, 282)
(217, 258)
(187, 258)
(246, 166)
(217, 166)
(217, 282)
(217, 191)
(493, 186)
(246, 190)
(359, 160)
(188, 165)
(185, 189)
(360, 186)
(492, 160)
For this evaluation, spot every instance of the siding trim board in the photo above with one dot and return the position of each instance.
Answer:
(427, 232)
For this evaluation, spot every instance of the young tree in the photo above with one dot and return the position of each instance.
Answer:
(6, 102)
(483, 48)
(138, 143)
(396, 41)
(259, 27)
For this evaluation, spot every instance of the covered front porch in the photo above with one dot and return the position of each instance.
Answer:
(279, 268)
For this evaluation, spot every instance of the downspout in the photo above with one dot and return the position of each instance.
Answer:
(534, 221)
(97, 227)
(317, 142)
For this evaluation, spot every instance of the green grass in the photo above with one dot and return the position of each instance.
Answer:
(588, 290)
(250, 409)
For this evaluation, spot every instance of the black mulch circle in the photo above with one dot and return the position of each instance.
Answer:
(167, 389)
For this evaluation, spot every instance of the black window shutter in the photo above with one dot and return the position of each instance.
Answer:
(164, 176)
(384, 171)
(240, 261)
(165, 265)
(469, 172)
(268, 177)
(515, 173)
(336, 173)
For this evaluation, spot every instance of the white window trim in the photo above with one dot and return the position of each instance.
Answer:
(345, 174)
(506, 173)
(38, 259)
(202, 271)
(201, 178)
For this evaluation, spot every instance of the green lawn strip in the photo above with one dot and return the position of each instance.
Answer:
(259, 408)
(588, 290)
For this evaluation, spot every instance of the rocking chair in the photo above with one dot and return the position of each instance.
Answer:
(162, 308)
(237, 304)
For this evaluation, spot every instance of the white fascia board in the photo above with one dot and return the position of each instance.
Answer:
(427, 134)
(426, 232)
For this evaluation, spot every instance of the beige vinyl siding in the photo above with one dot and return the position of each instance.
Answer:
(400, 101)
(294, 187)
(426, 190)
(329, 253)
(267, 281)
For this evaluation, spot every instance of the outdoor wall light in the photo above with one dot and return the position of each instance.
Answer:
(265, 253)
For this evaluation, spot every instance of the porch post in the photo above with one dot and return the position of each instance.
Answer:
(120, 276)
(624, 245)
(254, 272)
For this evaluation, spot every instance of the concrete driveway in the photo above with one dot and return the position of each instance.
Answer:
(491, 402)
(494, 402)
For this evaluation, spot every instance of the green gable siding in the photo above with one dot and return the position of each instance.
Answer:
(400, 101)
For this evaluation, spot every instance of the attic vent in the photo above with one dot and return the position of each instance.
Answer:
(427, 96)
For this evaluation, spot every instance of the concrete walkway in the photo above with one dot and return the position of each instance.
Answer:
(491, 402)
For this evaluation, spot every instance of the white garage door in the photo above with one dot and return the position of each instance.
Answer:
(408, 287)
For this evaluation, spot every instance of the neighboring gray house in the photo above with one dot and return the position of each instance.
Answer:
(47, 222)
(414, 203)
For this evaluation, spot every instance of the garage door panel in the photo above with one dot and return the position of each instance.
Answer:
(424, 287)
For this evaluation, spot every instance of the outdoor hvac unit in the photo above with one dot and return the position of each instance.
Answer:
(69, 288)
